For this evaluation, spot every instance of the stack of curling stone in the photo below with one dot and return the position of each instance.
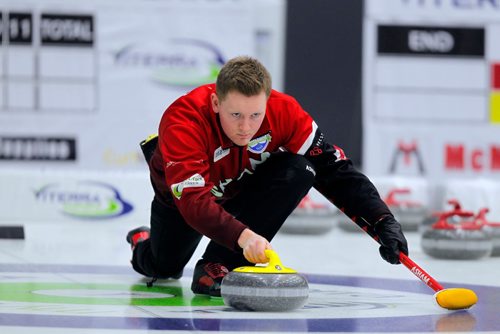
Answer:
(408, 213)
(493, 229)
(273, 288)
(464, 241)
(310, 217)
(456, 216)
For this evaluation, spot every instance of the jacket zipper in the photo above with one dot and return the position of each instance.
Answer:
(240, 160)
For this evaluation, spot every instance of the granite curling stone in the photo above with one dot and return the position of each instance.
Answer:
(492, 229)
(309, 218)
(455, 216)
(408, 213)
(465, 241)
(273, 288)
(428, 221)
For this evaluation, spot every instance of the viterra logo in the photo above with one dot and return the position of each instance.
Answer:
(175, 62)
(86, 199)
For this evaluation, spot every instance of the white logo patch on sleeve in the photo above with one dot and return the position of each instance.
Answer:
(194, 181)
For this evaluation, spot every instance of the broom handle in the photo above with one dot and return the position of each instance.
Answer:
(419, 272)
(404, 259)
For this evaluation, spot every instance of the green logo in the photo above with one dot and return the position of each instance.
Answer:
(258, 145)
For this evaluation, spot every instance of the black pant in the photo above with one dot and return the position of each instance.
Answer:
(266, 200)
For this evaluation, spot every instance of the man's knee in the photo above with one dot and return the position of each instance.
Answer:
(169, 272)
(298, 170)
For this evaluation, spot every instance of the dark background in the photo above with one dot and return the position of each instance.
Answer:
(323, 63)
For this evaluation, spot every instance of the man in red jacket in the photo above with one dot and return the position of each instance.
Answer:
(231, 161)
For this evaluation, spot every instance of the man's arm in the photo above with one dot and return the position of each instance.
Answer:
(354, 194)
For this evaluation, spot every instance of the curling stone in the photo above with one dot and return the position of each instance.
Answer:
(407, 212)
(428, 221)
(455, 216)
(492, 229)
(309, 218)
(273, 288)
(465, 241)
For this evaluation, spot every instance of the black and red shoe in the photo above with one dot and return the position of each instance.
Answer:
(207, 278)
(138, 235)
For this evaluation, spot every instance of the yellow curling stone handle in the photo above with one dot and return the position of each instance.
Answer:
(273, 267)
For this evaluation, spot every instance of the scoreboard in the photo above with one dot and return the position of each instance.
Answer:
(431, 94)
(44, 53)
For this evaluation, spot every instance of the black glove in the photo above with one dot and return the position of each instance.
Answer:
(391, 239)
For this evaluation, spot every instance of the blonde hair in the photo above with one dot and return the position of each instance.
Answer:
(245, 75)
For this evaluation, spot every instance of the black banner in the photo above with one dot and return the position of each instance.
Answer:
(430, 40)
(20, 28)
(1, 27)
(37, 148)
(67, 30)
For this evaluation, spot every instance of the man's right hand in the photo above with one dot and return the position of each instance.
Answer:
(253, 246)
(392, 239)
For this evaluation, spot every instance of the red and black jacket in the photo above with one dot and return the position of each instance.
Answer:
(196, 167)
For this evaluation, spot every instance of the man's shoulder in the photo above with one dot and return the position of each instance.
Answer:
(282, 104)
(199, 96)
(201, 92)
(277, 96)
(279, 101)
(192, 104)
(188, 116)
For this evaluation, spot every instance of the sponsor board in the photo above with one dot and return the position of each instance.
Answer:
(84, 199)
(62, 196)
(175, 62)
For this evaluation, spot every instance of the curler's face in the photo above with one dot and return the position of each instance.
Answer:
(240, 116)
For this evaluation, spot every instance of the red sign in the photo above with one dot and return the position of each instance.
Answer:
(410, 154)
(457, 157)
(495, 76)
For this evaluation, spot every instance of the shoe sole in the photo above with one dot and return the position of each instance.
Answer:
(136, 230)
(195, 288)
